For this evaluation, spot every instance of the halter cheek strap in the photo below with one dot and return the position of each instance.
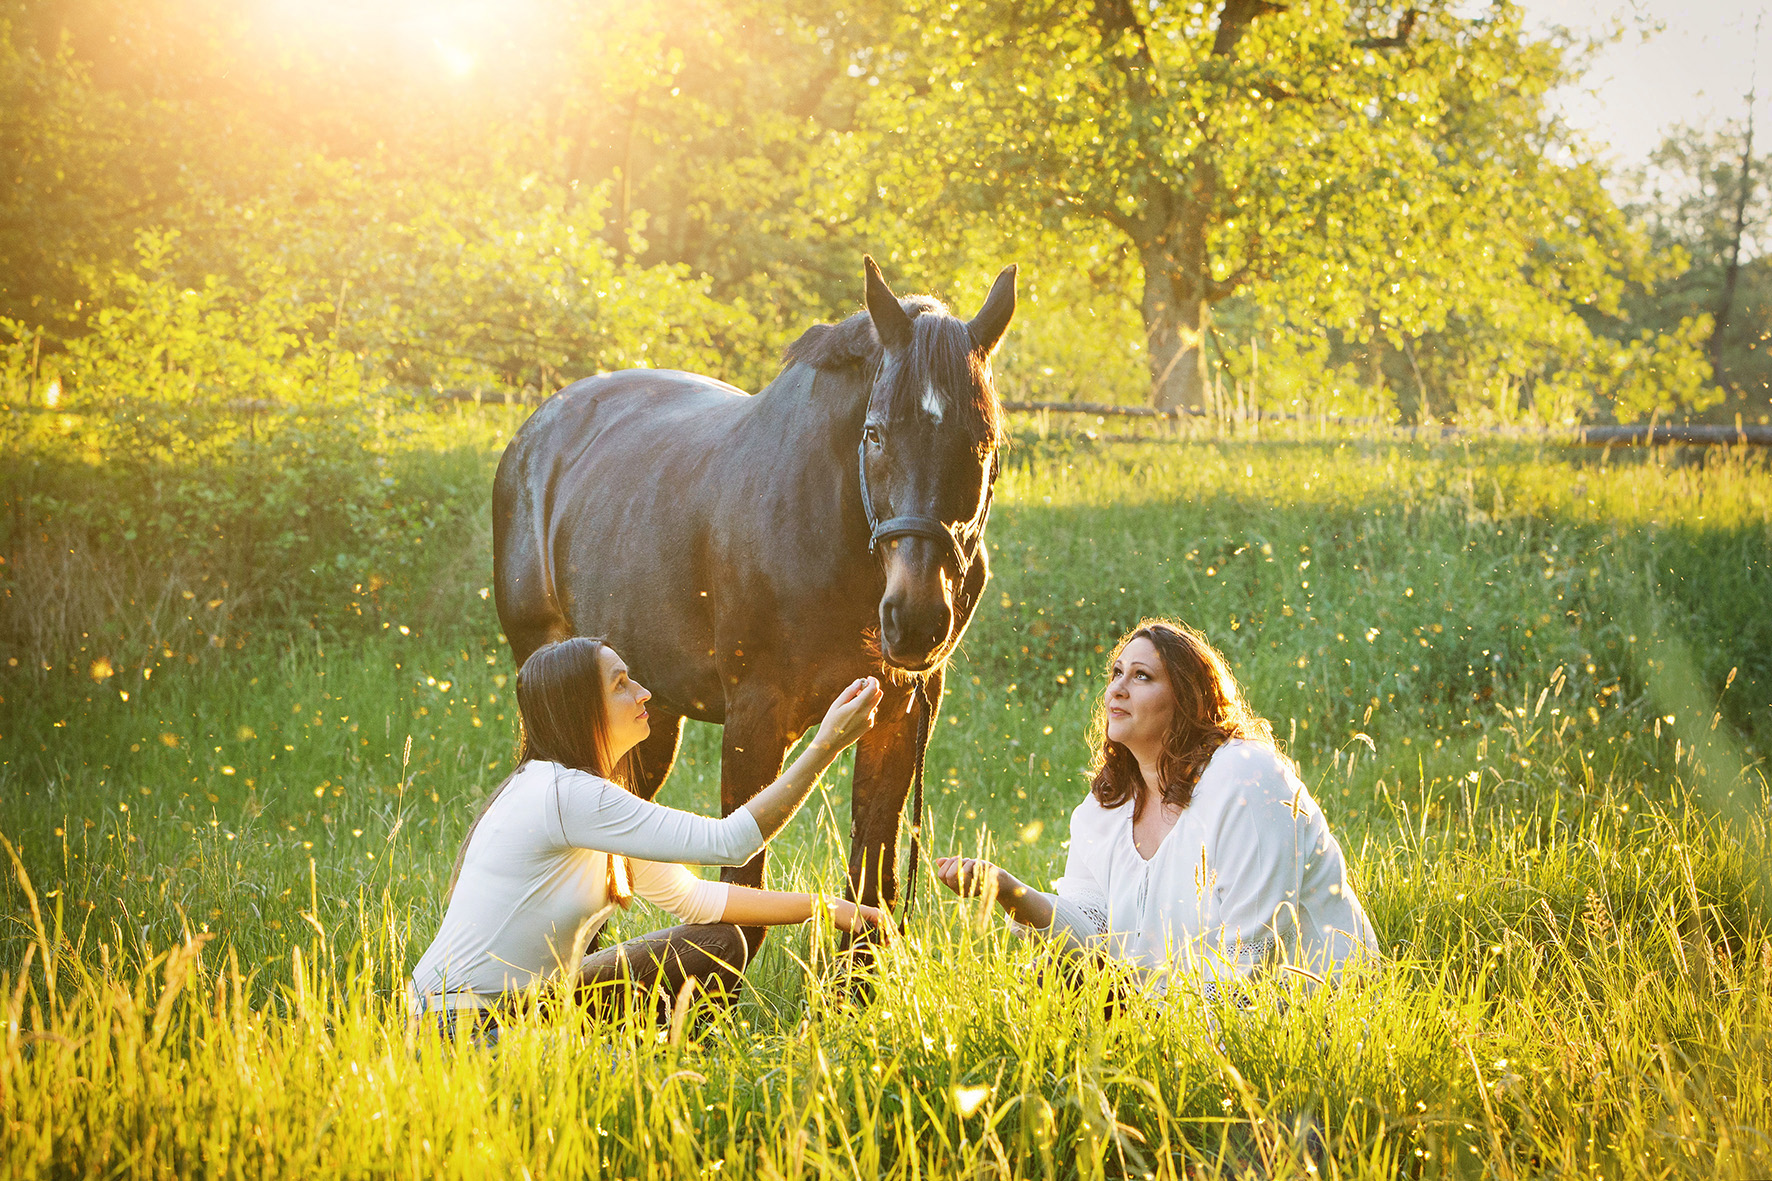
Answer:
(959, 544)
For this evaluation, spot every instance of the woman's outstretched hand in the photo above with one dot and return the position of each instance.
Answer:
(966, 876)
(850, 716)
(970, 877)
(857, 919)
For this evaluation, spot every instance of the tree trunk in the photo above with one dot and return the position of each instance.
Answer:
(1732, 271)
(1170, 231)
(1176, 315)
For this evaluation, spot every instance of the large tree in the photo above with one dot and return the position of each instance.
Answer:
(1705, 197)
(1300, 148)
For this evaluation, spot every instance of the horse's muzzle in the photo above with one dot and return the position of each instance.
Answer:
(913, 636)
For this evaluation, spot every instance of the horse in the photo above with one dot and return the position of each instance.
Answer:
(750, 556)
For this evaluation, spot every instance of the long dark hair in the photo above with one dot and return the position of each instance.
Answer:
(562, 718)
(1209, 712)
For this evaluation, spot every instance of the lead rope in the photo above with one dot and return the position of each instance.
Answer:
(924, 706)
(923, 709)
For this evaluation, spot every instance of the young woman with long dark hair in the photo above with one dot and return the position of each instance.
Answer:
(562, 843)
(1198, 852)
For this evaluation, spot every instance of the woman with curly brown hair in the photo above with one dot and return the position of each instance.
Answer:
(1198, 853)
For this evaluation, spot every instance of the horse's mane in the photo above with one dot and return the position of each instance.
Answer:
(941, 356)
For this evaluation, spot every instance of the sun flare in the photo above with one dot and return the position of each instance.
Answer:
(447, 38)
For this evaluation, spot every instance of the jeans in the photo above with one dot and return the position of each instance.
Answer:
(479, 1026)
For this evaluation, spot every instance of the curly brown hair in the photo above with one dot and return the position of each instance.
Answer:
(1209, 712)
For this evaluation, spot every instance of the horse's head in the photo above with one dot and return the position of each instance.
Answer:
(928, 458)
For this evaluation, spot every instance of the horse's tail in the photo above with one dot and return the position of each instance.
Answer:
(524, 590)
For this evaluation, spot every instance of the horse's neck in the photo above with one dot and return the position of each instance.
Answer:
(805, 398)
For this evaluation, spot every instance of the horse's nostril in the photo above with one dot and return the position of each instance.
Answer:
(912, 628)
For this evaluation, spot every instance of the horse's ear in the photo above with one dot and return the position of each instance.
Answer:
(988, 326)
(893, 326)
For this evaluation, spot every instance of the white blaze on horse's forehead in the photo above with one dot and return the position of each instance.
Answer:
(934, 405)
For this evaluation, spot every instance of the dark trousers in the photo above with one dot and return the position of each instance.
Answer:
(479, 1026)
(708, 957)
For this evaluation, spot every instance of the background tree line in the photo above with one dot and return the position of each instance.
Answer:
(1355, 208)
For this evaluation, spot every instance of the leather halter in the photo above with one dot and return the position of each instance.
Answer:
(959, 542)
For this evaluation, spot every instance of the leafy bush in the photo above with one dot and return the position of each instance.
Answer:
(237, 428)
(207, 446)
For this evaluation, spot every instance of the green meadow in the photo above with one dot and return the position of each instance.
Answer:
(1531, 687)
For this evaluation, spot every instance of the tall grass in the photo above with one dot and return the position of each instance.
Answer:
(1554, 804)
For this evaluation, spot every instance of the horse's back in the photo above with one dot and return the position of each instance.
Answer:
(594, 505)
(645, 407)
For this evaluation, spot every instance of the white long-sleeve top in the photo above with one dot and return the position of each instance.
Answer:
(535, 880)
(1249, 875)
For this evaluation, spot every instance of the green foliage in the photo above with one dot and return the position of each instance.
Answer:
(214, 464)
(84, 169)
(1695, 200)
(497, 280)
(458, 225)
(1363, 180)
(1570, 888)
(725, 130)
(1380, 213)
(1075, 339)
(167, 369)
(241, 418)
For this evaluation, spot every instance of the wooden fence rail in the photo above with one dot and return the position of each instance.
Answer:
(1599, 435)
(1596, 435)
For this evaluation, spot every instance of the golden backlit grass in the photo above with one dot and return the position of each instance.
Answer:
(1529, 691)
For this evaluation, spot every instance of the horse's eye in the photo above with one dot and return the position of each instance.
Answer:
(871, 434)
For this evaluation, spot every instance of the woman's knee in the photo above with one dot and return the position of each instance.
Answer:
(711, 955)
(724, 942)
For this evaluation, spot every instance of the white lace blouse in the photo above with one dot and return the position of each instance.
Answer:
(1249, 875)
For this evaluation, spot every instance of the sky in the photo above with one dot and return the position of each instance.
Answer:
(1678, 61)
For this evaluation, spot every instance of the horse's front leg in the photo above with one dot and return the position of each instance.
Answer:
(885, 761)
(756, 740)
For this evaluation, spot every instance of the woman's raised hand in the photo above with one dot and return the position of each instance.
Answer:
(848, 719)
(850, 715)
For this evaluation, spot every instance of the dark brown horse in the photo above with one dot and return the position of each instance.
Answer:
(751, 556)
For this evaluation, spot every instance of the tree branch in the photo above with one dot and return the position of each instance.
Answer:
(1234, 20)
(1405, 27)
(1117, 17)
(1732, 271)
(1133, 228)
(812, 94)
(1274, 90)
(1221, 289)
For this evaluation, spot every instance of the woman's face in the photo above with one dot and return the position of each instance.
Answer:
(1140, 702)
(624, 705)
